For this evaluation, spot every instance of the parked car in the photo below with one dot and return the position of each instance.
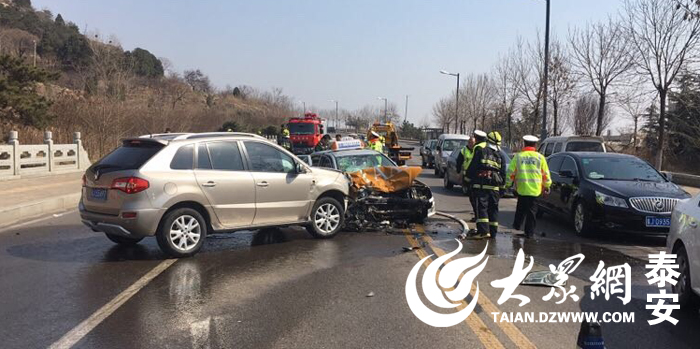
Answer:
(181, 188)
(616, 192)
(684, 241)
(554, 145)
(446, 144)
(426, 153)
(453, 177)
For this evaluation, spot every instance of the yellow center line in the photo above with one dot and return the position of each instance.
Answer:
(487, 338)
(520, 340)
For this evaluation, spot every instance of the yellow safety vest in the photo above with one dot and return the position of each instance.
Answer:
(285, 132)
(376, 146)
(529, 171)
(469, 155)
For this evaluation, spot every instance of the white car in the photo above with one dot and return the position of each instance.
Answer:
(684, 240)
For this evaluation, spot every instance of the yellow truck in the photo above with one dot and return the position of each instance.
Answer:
(391, 142)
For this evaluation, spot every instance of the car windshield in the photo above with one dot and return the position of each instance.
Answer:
(584, 146)
(353, 163)
(301, 129)
(621, 169)
(453, 144)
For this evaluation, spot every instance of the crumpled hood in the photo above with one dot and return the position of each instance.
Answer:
(386, 179)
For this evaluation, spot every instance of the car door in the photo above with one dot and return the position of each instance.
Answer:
(568, 186)
(282, 195)
(229, 188)
(548, 201)
(452, 168)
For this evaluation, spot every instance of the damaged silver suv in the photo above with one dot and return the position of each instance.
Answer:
(180, 187)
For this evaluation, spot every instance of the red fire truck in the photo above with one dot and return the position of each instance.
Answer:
(306, 132)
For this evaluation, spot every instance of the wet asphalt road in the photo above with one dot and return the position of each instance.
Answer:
(283, 289)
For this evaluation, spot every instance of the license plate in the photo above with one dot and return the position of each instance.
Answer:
(658, 222)
(98, 194)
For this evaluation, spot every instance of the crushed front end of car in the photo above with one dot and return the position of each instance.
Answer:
(387, 196)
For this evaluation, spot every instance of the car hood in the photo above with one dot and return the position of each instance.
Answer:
(446, 153)
(639, 188)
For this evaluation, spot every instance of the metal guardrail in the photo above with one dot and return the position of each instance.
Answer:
(17, 160)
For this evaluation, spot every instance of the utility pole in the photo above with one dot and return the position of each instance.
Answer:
(35, 53)
(386, 106)
(336, 113)
(543, 133)
(461, 125)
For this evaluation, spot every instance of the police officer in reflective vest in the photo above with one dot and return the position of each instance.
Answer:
(374, 143)
(465, 158)
(487, 173)
(529, 172)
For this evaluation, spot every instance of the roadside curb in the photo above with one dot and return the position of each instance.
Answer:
(28, 210)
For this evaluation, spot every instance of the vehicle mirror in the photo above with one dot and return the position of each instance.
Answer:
(300, 168)
(566, 174)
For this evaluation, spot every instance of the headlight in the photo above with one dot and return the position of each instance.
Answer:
(610, 200)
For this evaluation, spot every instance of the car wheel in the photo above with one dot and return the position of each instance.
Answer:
(123, 240)
(423, 164)
(581, 220)
(446, 182)
(182, 232)
(465, 189)
(437, 171)
(687, 299)
(327, 218)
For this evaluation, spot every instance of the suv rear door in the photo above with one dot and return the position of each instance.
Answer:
(283, 196)
(98, 195)
(229, 188)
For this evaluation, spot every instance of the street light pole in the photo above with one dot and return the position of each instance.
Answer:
(543, 133)
(336, 113)
(386, 106)
(405, 114)
(456, 97)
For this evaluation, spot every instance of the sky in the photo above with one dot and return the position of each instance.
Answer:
(352, 51)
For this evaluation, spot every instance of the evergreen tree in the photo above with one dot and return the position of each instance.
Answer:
(19, 102)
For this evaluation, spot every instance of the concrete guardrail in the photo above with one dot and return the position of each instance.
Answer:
(21, 160)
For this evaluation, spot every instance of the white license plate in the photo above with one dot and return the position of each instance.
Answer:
(658, 222)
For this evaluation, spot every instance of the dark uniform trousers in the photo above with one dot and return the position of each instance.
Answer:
(486, 202)
(526, 210)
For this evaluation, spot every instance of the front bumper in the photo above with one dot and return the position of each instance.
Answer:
(144, 224)
(626, 220)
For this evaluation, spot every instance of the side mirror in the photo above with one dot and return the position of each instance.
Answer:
(566, 174)
(300, 168)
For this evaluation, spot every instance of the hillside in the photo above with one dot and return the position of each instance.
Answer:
(88, 84)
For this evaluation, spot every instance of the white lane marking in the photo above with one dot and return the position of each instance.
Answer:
(36, 220)
(80, 331)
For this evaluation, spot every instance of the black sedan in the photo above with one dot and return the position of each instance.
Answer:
(606, 191)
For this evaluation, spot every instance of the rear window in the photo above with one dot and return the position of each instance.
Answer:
(584, 146)
(129, 156)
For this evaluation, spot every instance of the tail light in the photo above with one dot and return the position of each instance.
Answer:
(130, 185)
(84, 180)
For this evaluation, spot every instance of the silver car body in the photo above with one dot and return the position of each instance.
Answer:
(442, 155)
(685, 231)
(228, 199)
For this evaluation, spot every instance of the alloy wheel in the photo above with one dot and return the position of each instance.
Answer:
(579, 218)
(185, 233)
(327, 218)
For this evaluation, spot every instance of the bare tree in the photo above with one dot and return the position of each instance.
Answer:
(601, 55)
(634, 102)
(530, 80)
(444, 114)
(562, 82)
(585, 115)
(506, 89)
(664, 38)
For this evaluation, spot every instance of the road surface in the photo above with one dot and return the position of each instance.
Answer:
(64, 286)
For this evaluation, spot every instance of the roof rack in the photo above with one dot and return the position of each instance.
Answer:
(217, 134)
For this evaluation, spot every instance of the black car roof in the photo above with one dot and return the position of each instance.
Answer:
(590, 154)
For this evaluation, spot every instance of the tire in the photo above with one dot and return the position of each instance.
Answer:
(465, 189)
(182, 221)
(423, 164)
(582, 224)
(687, 299)
(446, 182)
(327, 218)
(437, 171)
(540, 212)
(123, 240)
